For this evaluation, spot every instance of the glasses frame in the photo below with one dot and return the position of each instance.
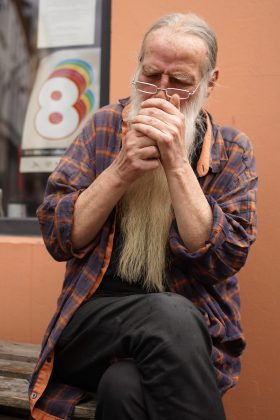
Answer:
(165, 90)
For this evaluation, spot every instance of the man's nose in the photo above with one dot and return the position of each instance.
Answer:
(161, 93)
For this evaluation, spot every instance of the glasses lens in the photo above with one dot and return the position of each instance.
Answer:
(146, 87)
(183, 94)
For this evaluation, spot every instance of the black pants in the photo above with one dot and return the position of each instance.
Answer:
(147, 356)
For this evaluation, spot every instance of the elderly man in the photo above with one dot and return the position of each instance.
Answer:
(153, 207)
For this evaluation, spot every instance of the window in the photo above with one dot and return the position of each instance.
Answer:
(43, 64)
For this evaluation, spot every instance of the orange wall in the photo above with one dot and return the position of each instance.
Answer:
(30, 282)
(249, 44)
(248, 34)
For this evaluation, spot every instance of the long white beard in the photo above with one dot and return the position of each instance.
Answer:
(145, 213)
(145, 217)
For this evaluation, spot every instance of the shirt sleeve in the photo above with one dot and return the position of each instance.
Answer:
(74, 173)
(232, 197)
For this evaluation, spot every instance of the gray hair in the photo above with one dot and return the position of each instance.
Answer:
(187, 24)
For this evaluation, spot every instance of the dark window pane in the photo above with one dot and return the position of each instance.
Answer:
(22, 185)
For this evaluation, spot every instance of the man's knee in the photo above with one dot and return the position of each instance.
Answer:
(169, 301)
(173, 310)
(176, 320)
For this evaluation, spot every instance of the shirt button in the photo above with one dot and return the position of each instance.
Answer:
(34, 395)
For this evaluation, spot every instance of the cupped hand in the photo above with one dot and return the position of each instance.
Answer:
(162, 121)
(138, 155)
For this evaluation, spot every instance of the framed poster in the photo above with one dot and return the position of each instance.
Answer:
(55, 59)
(65, 94)
(72, 79)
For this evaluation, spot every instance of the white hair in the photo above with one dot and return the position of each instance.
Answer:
(188, 24)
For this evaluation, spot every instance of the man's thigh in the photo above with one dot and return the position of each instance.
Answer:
(105, 329)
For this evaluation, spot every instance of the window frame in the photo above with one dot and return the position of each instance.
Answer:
(29, 226)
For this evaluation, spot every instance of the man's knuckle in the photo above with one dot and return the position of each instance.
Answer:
(135, 164)
(130, 155)
(169, 138)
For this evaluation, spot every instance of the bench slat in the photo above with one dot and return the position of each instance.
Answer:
(19, 351)
(85, 410)
(17, 362)
(14, 393)
(16, 369)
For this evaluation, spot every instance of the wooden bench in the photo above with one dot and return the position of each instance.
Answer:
(17, 361)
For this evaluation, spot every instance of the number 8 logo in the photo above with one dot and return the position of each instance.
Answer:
(57, 117)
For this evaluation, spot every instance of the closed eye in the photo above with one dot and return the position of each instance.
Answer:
(153, 77)
(182, 84)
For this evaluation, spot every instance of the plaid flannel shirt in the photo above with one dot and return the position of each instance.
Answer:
(206, 277)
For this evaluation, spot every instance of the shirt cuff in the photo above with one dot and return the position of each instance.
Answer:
(215, 240)
(64, 216)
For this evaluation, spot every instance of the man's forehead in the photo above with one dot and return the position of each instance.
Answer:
(175, 52)
(171, 35)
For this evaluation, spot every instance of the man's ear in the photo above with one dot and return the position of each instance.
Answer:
(212, 81)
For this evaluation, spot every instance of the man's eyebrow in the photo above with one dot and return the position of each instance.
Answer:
(150, 69)
(183, 77)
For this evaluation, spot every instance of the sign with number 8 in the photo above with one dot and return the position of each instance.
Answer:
(64, 99)
(64, 96)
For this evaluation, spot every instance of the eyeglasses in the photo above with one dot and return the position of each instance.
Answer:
(153, 89)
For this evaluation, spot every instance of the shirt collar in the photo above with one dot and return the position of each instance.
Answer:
(218, 154)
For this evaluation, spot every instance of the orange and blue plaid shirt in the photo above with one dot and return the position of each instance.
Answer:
(206, 277)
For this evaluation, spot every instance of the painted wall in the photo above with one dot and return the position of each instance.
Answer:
(247, 97)
(30, 282)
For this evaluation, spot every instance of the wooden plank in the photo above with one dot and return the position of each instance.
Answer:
(85, 410)
(14, 394)
(19, 351)
(17, 362)
(16, 369)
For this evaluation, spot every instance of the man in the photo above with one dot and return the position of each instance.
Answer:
(153, 207)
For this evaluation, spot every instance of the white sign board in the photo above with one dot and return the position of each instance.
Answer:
(63, 23)
(64, 96)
